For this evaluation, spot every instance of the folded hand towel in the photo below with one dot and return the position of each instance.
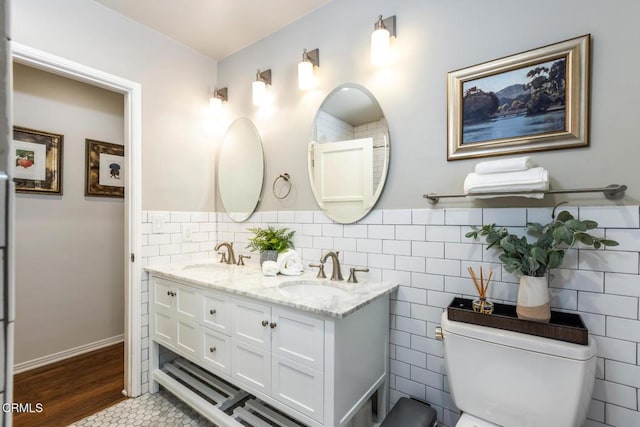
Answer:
(289, 260)
(269, 268)
(536, 179)
(504, 165)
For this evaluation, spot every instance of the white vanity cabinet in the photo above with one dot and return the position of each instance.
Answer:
(317, 368)
(279, 352)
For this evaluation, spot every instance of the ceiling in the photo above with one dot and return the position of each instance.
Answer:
(215, 28)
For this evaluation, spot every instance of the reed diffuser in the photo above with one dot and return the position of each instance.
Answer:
(481, 305)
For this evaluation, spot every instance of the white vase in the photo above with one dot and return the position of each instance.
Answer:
(533, 299)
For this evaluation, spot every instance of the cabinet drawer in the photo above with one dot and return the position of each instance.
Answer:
(251, 323)
(298, 337)
(251, 365)
(216, 351)
(163, 294)
(215, 312)
(298, 387)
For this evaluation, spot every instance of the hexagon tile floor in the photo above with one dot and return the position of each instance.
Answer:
(154, 410)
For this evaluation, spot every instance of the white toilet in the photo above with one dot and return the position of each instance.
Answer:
(504, 378)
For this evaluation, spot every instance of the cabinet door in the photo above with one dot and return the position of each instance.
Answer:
(298, 387)
(216, 313)
(163, 328)
(216, 351)
(298, 337)
(251, 323)
(251, 365)
(163, 294)
(186, 338)
(186, 303)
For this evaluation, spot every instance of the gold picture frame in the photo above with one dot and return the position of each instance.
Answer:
(104, 169)
(536, 100)
(37, 167)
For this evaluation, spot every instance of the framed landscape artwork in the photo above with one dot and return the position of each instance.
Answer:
(37, 164)
(532, 101)
(105, 173)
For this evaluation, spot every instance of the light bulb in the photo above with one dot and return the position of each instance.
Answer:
(215, 105)
(259, 92)
(305, 75)
(380, 46)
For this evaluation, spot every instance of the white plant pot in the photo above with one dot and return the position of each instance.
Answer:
(533, 299)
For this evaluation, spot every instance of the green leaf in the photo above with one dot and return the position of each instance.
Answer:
(555, 259)
(539, 254)
(564, 216)
(534, 227)
(472, 234)
(590, 224)
(609, 242)
(576, 225)
(585, 238)
(597, 244)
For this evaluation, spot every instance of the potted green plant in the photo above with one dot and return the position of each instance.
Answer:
(270, 241)
(532, 261)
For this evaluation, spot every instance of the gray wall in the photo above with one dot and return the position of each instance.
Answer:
(178, 164)
(435, 37)
(69, 248)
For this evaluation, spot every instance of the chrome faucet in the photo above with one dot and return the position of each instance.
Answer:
(231, 258)
(336, 273)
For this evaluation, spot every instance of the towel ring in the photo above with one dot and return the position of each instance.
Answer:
(287, 179)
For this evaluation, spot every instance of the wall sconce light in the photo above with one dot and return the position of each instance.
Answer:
(259, 87)
(310, 60)
(215, 102)
(384, 29)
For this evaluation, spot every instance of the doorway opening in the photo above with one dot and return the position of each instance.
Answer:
(131, 92)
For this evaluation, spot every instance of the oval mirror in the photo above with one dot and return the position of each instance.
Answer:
(240, 169)
(348, 153)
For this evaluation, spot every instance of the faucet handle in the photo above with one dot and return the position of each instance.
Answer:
(321, 274)
(223, 256)
(242, 257)
(352, 274)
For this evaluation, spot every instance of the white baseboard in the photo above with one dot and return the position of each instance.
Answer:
(56, 357)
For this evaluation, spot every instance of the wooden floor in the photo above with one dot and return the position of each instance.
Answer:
(71, 389)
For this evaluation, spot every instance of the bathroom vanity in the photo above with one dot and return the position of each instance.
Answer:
(313, 349)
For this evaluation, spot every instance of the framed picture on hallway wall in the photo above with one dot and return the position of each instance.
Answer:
(531, 101)
(105, 172)
(37, 161)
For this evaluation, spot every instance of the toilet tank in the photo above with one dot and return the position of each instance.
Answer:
(518, 380)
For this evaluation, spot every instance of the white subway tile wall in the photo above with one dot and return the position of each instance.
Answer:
(425, 251)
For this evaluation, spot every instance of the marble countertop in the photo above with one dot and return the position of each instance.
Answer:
(249, 281)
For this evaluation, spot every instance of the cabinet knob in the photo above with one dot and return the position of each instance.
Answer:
(272, 325)
(212, 349)
(265, 322)
(212, 311)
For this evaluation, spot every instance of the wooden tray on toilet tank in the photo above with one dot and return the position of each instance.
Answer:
(567, 327)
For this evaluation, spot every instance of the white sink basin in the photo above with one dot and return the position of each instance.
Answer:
(309, 288)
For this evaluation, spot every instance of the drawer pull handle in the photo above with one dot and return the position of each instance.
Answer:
(273, 325)
(212, 349)
(212, 311)
(265, 322)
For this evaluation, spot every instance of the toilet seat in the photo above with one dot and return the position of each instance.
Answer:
(467, 420)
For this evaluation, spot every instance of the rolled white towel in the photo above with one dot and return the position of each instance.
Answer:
(504, 165)
(535, 179)
(269, 268)
(290, 261)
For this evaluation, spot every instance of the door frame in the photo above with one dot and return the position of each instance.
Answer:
(132, 92)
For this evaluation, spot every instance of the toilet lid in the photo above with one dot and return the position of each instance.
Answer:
(467, 420)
